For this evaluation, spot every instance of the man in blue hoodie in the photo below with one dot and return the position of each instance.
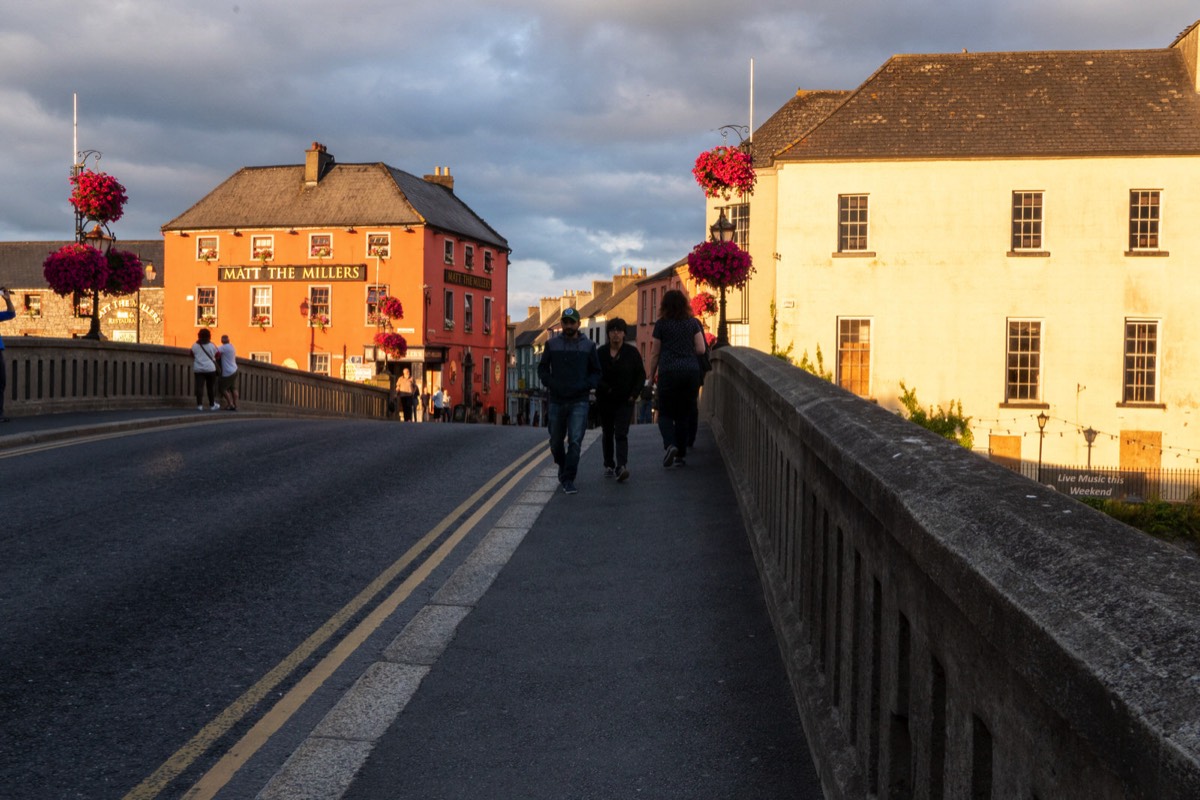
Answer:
(570, 370)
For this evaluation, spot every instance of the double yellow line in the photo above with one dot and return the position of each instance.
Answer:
(261, 732)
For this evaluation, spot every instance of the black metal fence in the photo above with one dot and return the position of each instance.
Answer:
(1111, 483)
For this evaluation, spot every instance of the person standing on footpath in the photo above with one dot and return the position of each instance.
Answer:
(678, 340)
(204, 367)
(8, 313)
(570, 370)
(621, 376)
(227, 376)
(404, 390)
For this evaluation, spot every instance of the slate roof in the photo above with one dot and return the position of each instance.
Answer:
(1023, 104)
(21, 262)
(360, 195)
(794, 118)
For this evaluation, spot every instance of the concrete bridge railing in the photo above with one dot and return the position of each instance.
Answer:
(951, 629)
(55, 375)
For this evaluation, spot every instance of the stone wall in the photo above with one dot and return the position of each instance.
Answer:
(46, 376)
(950, 628)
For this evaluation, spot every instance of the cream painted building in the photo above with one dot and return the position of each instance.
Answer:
(1013, 230)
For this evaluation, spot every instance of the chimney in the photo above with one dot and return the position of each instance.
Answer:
(534, 310)
(441, 178)
(601, 286)
(549, 307)
(316, 162)
(628, 275)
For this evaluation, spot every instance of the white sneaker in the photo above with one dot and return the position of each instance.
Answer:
(199, 408)
(216, 407)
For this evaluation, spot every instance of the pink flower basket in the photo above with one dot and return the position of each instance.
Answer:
(725, 171)
(75, 268)
(703, 303)
(720, 264)
(391, 308)
(393, 344)
(125, 272)
(98, 196)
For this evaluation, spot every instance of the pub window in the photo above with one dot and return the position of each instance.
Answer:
(260, 306)
(487, 373)
(375, 294)
(33, 306)
(379, 245)
(1144, 218)
(318, 306)
(448, 251)
(318, 363)
(82, 303)
(263, 356)
(206, 305)
(854, 356)
(262, 248)
(487, 261)
(1023, 378)
(852, 223)
(320, 245)
(469, 256)
(468, 312)
(448, 309)
(207, 248)
(487, 315)
(1026, 220)
(1141, 361)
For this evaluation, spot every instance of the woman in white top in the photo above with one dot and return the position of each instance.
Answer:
(204, 367)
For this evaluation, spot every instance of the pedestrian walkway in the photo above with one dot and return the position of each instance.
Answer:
(623, 651)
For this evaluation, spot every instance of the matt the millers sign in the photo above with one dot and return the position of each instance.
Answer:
(267, 272)
(470, 281)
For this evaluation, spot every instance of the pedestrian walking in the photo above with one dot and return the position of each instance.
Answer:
(204, 368)
(621, 377)
(405, 387)
(678, 340)
(570, 370)
(8, 313)
(227, 380)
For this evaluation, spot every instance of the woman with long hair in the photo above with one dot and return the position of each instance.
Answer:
(678, 339)
(204, 366)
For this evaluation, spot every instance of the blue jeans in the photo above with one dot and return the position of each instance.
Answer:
(567, 421)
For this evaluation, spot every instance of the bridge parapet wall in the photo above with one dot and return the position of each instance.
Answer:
(950, 628)
(48, 376)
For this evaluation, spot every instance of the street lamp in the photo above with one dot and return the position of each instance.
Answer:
(312, 332)
(1042, 419)
(150, 275)
(100, 240)
(1089, 433)
(722, 231)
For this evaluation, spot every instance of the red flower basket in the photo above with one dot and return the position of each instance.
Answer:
(391, 308)
(125, 272)
(703, 303)
(724, 171)
(75, 268)
(393, 344)
(720, 264)
(98, 196)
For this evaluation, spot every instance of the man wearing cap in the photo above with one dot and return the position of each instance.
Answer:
(570, 370)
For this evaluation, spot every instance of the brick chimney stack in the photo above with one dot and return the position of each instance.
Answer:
(316, 163)
(441, 178)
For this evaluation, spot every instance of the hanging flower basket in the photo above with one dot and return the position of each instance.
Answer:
(720, 264)
(703, 303)
(75, 268)
(125, 272)
(391, 307)
(725, 171)
(393, 344)
(98, 196)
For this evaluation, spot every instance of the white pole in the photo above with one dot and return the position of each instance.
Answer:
(75, 131)
(752, 101)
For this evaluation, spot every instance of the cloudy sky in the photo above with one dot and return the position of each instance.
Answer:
(569, 125)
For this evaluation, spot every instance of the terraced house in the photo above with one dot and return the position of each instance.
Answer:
(1013, 230)
(293, 262)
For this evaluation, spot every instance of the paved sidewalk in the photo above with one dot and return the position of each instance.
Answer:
(624, 650)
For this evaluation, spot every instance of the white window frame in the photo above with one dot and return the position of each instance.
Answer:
(488, 264)
(843, 237)
(208, 248)
(261, 244)
(315, 308)
(448, 309)
(488, 302)
(1014, 389)
(200, 306)
(469, 256)
(1131, 390)
(379, 244)
(448, 251)
(1022, 223)
(262, 356)
(319, 363)
(843, 347)
(468, 312)
(1155, 223)
(381, 290)
(320, 245)
(266, 291)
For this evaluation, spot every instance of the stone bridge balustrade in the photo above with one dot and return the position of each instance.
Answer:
(951, 629)
(56, 375)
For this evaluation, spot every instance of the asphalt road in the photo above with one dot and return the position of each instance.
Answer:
(158, 588)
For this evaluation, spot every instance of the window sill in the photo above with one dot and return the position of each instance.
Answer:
(1024, 404)
(854, 254)
(1028, 253)
(1147, 253)
(1149, 406)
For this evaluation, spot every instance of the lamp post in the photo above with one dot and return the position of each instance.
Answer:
(100, 240)
(722, 231)
(1042, 419)
(312, 332)
(1089, 434)
(150, 275)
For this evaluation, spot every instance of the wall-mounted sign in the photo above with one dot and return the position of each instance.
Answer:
(470, 281)
(1081, 483)
(267, 272)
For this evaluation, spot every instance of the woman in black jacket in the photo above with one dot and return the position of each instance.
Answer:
(621, 377)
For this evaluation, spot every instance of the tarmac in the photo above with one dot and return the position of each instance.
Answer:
(608, 644)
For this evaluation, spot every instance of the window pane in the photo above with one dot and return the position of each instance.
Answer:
(1143, 220)
(1023, 378)
(1027, 221)
(852, 222)
(854, 356)
(1141, 361)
